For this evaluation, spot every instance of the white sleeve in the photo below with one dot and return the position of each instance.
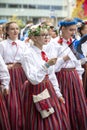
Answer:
(4, 74)
(34, 74)
(59, 64)
(83, 61)
(77, 63)
(79, 68)
(54, 81)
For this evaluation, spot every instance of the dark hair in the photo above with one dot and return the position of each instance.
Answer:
(56, 31)
(81, 28)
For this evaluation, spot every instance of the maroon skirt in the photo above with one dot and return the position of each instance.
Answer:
(33, 120)
(15, 97)
(4, 119)
(72, 90)
(85, 78)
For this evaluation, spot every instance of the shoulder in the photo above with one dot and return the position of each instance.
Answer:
(3, 43)
(29, 52)
(20, 42)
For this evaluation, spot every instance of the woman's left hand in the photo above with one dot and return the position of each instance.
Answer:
(61, 99)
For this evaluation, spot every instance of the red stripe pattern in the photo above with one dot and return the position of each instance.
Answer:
(73, 93)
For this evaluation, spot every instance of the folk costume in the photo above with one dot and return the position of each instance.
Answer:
(11, 52)
(44, 111)
(69, 75)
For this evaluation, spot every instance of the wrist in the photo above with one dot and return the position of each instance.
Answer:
(47, 65)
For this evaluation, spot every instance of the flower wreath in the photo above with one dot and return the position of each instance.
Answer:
(37, 30)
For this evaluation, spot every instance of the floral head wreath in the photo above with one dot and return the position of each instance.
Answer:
(37, 30)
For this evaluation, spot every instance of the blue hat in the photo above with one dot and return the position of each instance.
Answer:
(78, 20)
(2, 21)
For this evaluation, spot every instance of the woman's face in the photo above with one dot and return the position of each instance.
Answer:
(13, 31)
(41, 40)
(69, 31)
(84, 31)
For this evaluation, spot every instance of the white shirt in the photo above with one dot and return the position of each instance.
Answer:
(59, 51)
(11, 53)
(35, 71)
(4, 74)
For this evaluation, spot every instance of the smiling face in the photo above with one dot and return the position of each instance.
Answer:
(13, 31)
(69, 31)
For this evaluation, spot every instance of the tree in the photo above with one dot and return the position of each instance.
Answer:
(16, 19)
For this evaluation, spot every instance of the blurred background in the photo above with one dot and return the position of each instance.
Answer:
(25, 11)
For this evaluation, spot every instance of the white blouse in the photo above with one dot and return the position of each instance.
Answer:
(4, 74)
(11, 53)
(35, 71)
(59, 51)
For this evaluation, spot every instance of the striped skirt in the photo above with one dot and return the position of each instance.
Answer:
(33, 120)
(4, 119)
(14, 100)
(72, 90)
(85, 78)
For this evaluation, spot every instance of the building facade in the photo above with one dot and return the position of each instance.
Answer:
(34, 9)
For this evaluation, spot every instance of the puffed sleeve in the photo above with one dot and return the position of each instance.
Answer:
(4, 74)
(54, 81)
(34, 73)
(79, 68)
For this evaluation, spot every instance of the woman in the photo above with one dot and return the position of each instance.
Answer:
(4, 90)
(82, 47)
(42, 87)
(11, 50)
(69, 74)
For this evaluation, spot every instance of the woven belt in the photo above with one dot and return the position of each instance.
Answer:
(13, 65)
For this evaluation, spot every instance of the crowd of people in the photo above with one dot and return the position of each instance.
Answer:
(43, 76)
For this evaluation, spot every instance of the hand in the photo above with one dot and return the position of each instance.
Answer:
(65, 58)
(52, 61)
(61, 99)
(5, 91)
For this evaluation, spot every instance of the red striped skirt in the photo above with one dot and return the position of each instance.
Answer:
(72, 90)
(33, 120)
(14, 100)
(85, 78)
(4, 119)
